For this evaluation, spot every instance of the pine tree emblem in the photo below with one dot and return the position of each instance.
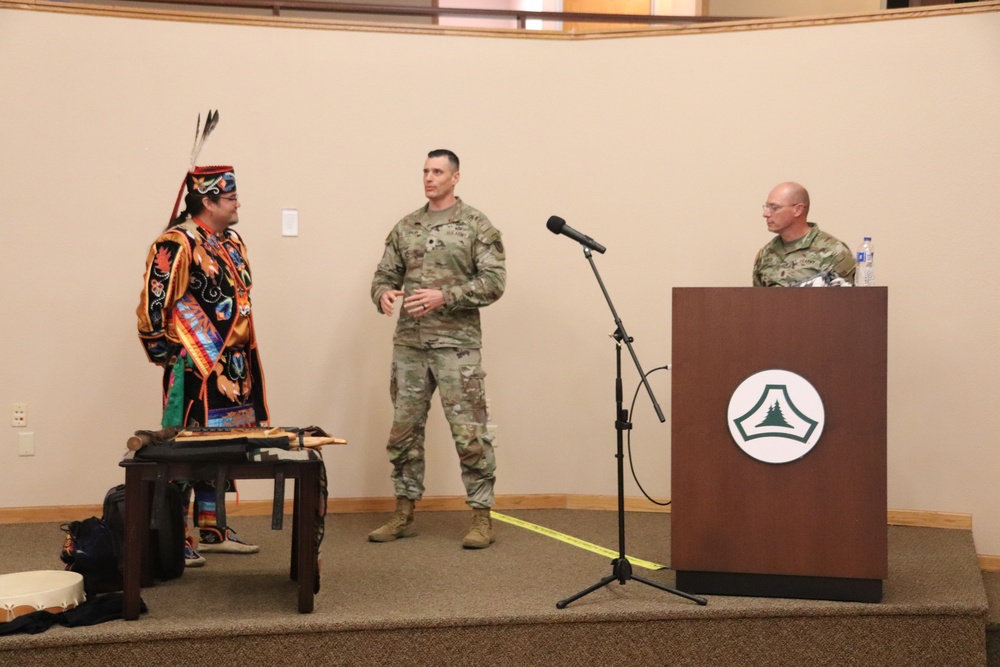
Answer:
(775, 417)
(767, 418)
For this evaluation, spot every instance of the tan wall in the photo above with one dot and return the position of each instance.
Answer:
(662, 148)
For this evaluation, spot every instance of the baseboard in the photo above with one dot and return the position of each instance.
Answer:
(632, 504)
(58, 513)
(989, 563)
(927, 519)
(66, 513)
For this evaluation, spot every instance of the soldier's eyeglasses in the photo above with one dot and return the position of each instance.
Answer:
(774, 207)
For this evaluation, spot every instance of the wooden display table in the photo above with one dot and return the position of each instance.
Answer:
(139, 481)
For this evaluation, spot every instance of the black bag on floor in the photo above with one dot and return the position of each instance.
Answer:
(92, 550)
(166, 539)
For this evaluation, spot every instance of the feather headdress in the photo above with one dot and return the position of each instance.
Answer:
(205, 180)
(211, 120)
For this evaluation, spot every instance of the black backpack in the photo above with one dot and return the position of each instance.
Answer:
(92, 550)
(166, 534)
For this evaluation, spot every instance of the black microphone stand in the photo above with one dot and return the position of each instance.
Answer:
(621, 568)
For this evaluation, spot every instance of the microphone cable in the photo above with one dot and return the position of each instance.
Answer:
(629, 438)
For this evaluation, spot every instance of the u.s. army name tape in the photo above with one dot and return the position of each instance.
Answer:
(575, 541)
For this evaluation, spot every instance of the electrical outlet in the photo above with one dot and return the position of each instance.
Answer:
(25, 444)
(19, 414)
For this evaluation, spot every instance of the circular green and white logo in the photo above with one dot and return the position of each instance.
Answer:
(776, 416)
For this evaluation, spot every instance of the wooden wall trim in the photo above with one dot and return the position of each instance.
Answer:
(927, 519)
(989, 563)
(56, 513)
(65, 514)
(508, 33)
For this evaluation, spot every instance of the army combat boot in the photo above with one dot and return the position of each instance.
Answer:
(480, 535)
(400, 524)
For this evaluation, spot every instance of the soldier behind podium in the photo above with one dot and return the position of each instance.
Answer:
(195, 322)
(441, 264)
(801, 250)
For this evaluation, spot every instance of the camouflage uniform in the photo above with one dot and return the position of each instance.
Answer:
(461, 254)
(781, 264)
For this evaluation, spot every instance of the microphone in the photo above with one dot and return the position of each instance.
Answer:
(557, 225)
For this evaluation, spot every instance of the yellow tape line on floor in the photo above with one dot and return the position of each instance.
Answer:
(575, 541)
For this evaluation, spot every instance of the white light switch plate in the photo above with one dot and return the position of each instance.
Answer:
(289, 222)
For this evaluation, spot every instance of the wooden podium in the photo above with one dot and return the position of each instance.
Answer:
(815, 527)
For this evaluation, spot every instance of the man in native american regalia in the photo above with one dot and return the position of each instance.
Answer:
(195, 321)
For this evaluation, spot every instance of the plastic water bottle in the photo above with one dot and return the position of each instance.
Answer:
(864, 273)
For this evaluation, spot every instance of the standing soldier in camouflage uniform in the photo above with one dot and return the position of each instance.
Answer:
(800, 250)
(442, 263)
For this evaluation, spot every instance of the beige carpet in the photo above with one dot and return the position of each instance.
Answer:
(426, 601)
